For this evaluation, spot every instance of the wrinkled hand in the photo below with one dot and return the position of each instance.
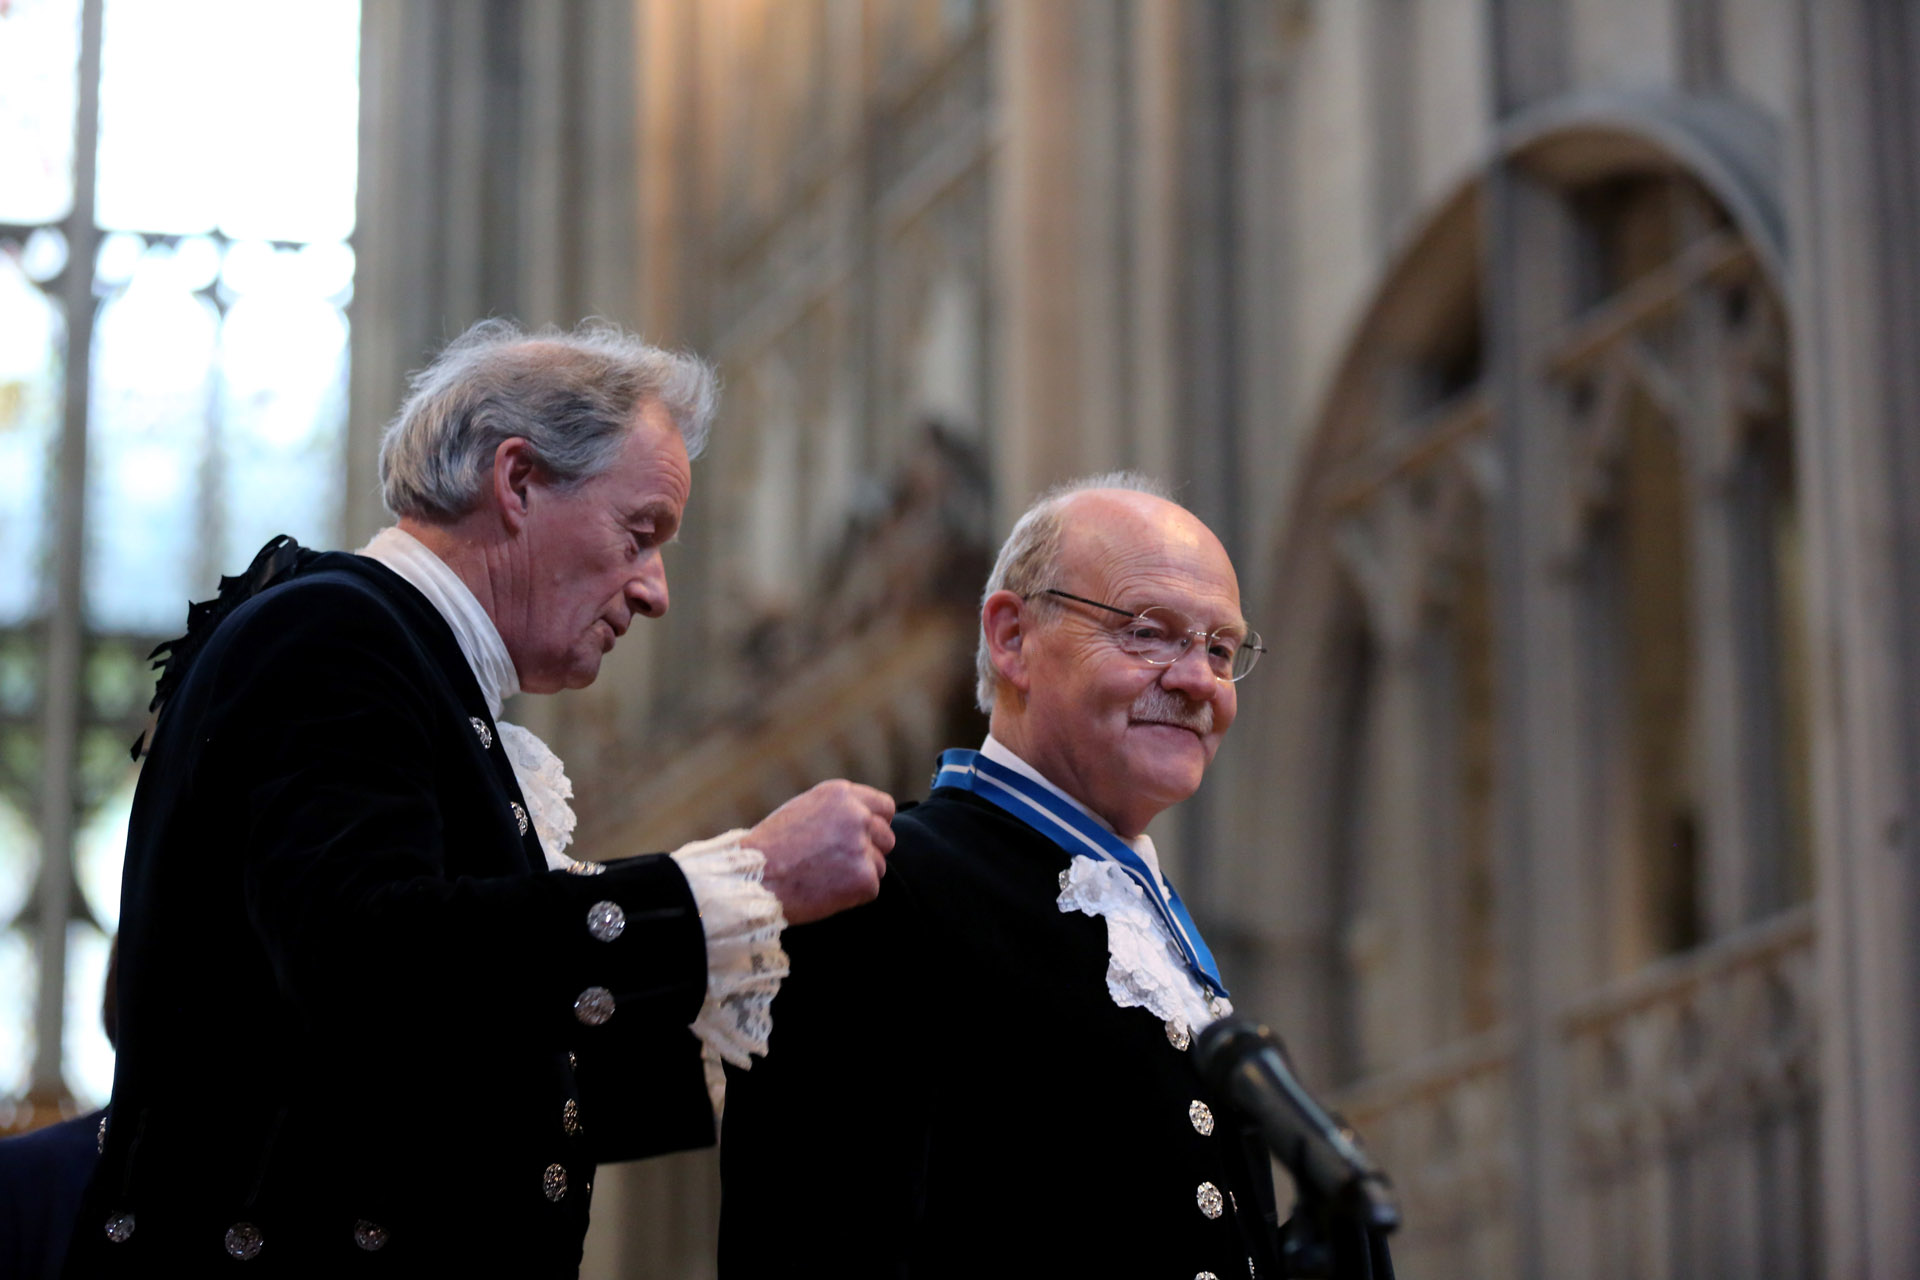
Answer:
(826, 848)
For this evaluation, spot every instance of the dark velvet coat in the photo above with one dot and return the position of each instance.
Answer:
(42, 1174)
(950, 1091)
(348, 982)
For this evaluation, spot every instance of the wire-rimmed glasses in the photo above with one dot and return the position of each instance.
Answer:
(1160, 636)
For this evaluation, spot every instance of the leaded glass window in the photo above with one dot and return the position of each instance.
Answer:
(177, 188)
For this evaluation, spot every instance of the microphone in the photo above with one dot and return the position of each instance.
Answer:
(1246, 1062)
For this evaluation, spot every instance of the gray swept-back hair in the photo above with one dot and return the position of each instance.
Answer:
(1029, 560)
(571, 395)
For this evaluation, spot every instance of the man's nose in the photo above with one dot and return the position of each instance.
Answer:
(1191, 674)
(647, 590)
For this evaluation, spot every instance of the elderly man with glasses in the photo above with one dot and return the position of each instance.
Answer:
(988, 1069)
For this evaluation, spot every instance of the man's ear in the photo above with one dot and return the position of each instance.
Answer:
(513, 468)
(1003, 621)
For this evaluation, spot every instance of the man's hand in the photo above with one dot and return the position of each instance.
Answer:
(826, 848)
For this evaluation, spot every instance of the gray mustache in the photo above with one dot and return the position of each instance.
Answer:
(1167, 707)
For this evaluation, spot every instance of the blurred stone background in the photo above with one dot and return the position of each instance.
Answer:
(1546, 365)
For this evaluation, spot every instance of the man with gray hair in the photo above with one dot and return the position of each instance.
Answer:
(1010, 1090)
(374, 1013)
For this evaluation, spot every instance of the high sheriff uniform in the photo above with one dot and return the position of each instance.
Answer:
(987, 1071)
(371, 1018)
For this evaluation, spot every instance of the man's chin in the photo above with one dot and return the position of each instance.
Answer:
(581, 672)
(1174, 764)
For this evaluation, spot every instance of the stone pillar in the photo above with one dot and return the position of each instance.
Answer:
(439, 164)
(1405, 980)
(1108, 153)
(1034, 249)
(1857, 321)
(496, 145)
(1155, 255)
(1539, 759)
(395, 310)
(1405, 941)
(1208, 457)
(1736, 632)
(1528, 296)
(666, 100)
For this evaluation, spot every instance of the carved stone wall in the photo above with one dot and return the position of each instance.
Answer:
(1544, 364)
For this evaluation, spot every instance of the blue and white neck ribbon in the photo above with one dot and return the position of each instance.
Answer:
(1078, 833)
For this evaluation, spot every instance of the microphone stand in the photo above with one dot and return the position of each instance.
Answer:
(1344, 1208)
(1327, 1240)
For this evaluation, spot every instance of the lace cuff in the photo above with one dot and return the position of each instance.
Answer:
(1144, 967)
(743, 921)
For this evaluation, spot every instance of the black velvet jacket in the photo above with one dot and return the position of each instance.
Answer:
(348, 984)
(950, 1091)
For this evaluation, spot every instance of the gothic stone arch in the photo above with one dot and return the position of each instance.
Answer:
(1535, 719)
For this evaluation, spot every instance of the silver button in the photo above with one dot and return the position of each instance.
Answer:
(244, 1241)
(100, 1137)
(120, 1228)
(594, 1006)
(519, 815)
(370, 1236)
(1177, 1036)
(573, 1060)
(606, 921)
(570, 1118)
(1064, 878)
(481, 732)
(554, 1182)
(1202, 1116)
(579, 868)
(1211, 1202)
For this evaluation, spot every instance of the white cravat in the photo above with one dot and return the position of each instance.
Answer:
(479, 639)
(1144, 968)
(542, 778)
(741, 917)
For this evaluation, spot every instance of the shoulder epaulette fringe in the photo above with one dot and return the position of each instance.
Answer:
(282, 558)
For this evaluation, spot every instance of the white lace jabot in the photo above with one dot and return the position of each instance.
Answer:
(741, 917)
(1144, 967)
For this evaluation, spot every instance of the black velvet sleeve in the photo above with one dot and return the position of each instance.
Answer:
(823, 1153)
(366, 855)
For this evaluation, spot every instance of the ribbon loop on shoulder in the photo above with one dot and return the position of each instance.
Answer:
(1078, 833)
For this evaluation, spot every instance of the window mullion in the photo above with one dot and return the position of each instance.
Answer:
(66, 624)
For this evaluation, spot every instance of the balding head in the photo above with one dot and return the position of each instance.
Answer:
(1119, 530)
(1029, 559)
